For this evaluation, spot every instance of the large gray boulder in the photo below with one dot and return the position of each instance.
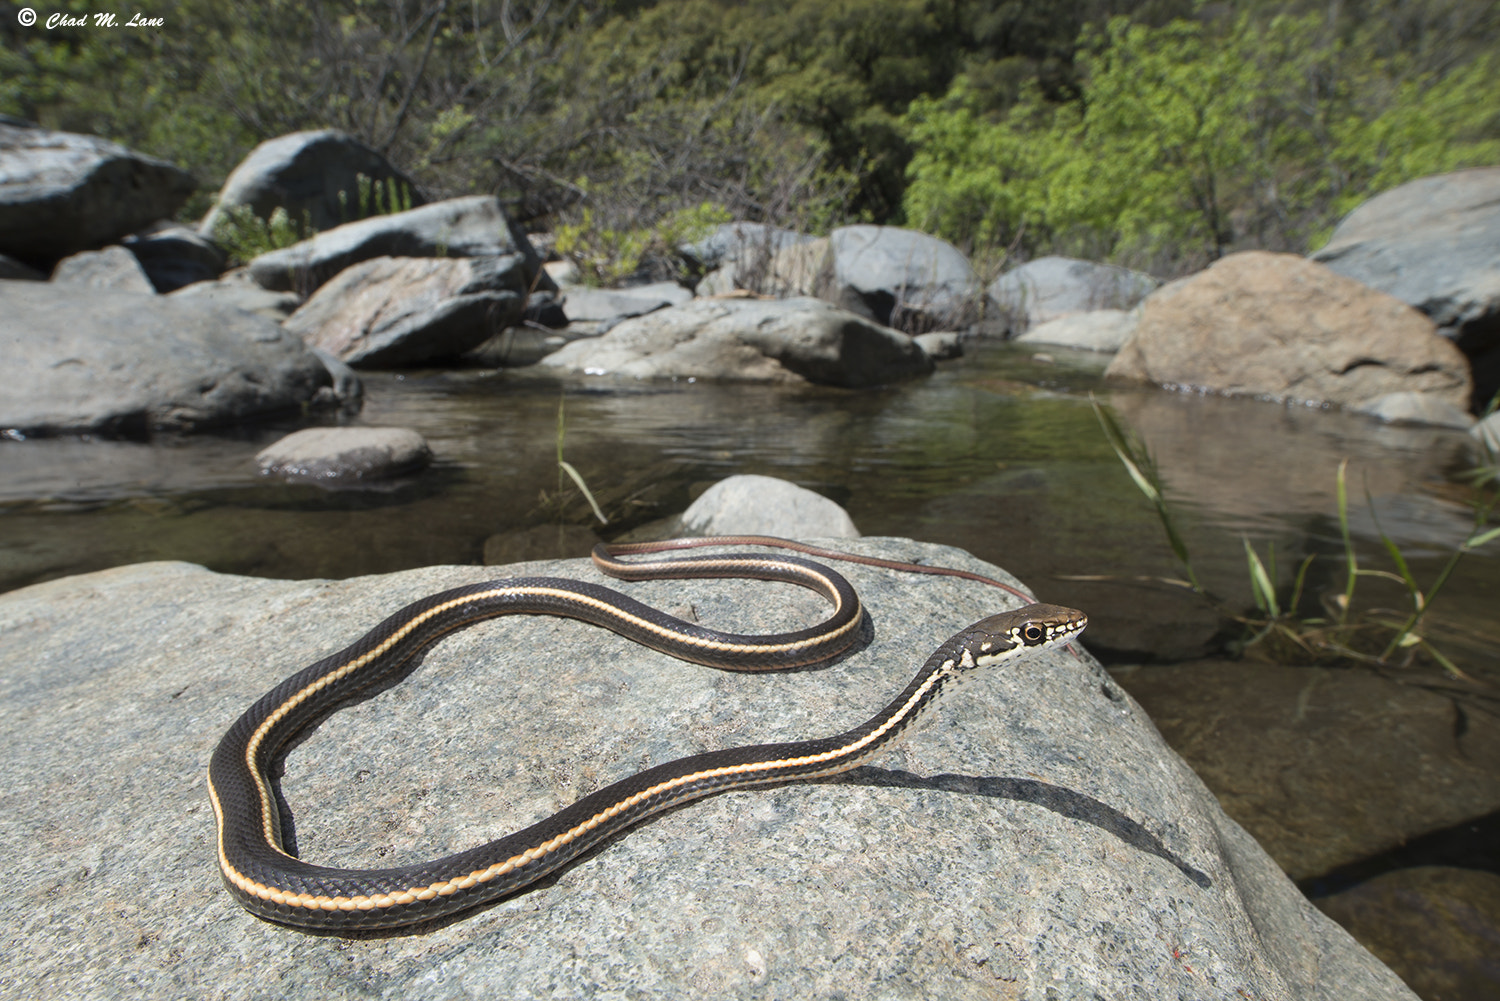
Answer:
(1037, 839)
(902, 278)
(1052, 287)
(61, 193)
(1434, 243)
(1284, 327)
(765, 505)
(80, 360)
(305, 173)
(607, 307)
(1096, 330)
(236, 289)
(475, 226)
(749, 340)
(174, 256)
(113, 268)
(740, 241)
(394, 311)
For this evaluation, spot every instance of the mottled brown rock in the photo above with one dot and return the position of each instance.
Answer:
(394, 311)
(1293, 753)
(1438, 927)
(1283, 327)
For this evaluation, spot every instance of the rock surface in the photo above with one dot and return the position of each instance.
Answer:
(394, 311)
(1417, 408)
(304, 173)
(1328, 745)
(1437, 927)
(1433, 243)
(113, 268)
(765, 505)
(241, 293)
(174, 256)
(752, 340)
(61, 193)
(1051, 287)
(1283, 327)
(461, 227)
(902, 278)
(1487, 432)
(609, 306)
(120, 362)
(740, 241)
(345, 456)
(1036, 840)
(1096, 330)
(941, 345)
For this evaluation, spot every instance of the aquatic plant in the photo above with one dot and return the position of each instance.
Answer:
(1344, 634)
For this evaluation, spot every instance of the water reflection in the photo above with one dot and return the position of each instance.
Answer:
(998, 453)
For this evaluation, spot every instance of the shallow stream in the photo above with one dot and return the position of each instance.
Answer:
(999, 453)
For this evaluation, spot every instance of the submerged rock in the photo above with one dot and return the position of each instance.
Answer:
(1283, 327)
(345, 456)
(1037, 837)
(751, 340)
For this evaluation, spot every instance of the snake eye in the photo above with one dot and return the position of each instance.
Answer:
(1033, 633)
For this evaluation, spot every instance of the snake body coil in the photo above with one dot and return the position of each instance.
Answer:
(272, 883)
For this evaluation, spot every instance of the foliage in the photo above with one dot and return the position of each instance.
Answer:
(1277, 629)
(244, 236)
(1034, 124)
(1188, 142)
(606, 256)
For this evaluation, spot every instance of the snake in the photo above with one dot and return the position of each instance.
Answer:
(272, 883)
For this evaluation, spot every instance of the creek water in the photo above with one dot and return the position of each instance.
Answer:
(999, 453)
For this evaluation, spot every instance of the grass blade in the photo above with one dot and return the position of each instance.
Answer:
(1260, 582)
(567, 467)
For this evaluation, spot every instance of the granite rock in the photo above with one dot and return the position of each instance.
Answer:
(475, 226)
(344, 456)
(61, 192)
(119, 362)
(1036, 840)
(1282, 327)
(393, 311)
(749, 340)
(305, 173)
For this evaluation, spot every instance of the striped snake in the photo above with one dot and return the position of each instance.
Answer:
(274, 884)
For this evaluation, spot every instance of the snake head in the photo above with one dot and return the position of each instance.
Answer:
(1011, 634)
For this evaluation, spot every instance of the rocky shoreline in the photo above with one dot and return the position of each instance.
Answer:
(116, 321)
(1360, 325)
